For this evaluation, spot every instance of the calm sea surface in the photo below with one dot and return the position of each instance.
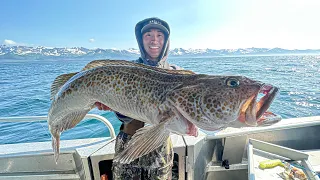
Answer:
(25, 90)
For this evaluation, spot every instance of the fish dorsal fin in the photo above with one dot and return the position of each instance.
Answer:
(99, 63)
(144, 141)
(59, 82)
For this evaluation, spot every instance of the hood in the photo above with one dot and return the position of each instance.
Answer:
(163, 55)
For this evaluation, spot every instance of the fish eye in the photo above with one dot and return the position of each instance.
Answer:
(232, 82)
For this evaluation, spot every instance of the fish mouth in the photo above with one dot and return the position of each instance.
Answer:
(252, 110)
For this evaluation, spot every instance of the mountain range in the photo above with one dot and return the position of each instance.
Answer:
(40, 52)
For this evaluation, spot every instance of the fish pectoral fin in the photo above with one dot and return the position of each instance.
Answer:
(59, 82)
(144, 141)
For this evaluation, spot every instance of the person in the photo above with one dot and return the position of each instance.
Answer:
(152, 36)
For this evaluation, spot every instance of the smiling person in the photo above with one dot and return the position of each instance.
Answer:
(152, 35)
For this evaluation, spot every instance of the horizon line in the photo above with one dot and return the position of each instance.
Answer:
(169, 49)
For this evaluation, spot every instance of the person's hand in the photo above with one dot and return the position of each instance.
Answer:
(101, 106)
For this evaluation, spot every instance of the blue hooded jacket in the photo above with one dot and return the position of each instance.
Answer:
(162, 59)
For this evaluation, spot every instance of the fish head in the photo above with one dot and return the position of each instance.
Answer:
(219, 100)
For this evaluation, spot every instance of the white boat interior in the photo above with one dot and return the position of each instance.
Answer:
(228, 154)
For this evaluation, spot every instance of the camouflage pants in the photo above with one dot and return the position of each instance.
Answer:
(156, 165)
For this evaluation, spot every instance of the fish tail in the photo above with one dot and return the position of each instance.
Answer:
(56, 146)
(68, 121)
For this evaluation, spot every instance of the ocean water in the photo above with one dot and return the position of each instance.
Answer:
(25, 90)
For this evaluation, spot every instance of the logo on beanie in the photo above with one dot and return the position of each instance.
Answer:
(154, 21)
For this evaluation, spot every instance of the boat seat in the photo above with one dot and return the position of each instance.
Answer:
(36, 161)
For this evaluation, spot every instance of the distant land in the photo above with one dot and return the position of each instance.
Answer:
(40, 52)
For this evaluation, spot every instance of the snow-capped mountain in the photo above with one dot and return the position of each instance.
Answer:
(25, 52)
(236, 52)
(40, 52)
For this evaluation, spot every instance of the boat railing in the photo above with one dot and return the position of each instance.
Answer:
(44, 118)
(282, 125)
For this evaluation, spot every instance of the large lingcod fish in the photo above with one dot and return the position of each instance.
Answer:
(177, 101)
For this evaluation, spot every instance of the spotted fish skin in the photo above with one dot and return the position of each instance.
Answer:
(167, 100)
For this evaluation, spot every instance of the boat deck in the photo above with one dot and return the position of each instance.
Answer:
(198, 158)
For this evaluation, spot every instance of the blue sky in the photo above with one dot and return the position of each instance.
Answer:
(202, 24)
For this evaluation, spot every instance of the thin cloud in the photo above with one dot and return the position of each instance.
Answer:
(9, 42)
(91, 40)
